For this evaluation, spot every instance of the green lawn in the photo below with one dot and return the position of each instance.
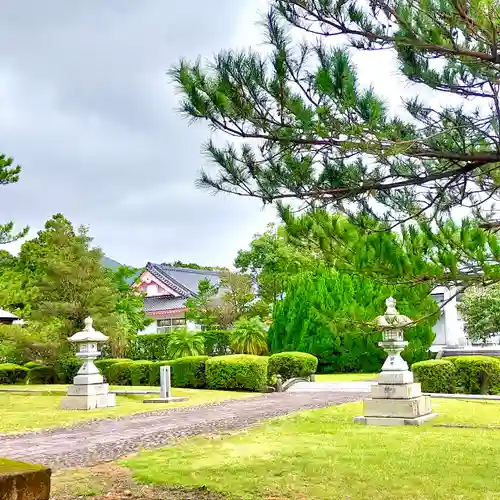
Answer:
(322, 454)
(33, 411)
(345, 377)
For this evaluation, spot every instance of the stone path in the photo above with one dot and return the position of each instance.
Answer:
(345, 387)
(102, 440)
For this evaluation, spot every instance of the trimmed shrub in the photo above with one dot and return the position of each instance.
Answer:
(139, 372)
(33, 364)
(154, 372)
(66, 369)
(104, 364)
(12, 374)
(238, 371)
(189, 371)
(476, 374)
(292, 364)
(119, 373)
(436, 375)
(148, 347)
(42, 375)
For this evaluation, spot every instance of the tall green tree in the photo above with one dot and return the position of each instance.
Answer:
(9, 174)
(329, 314)
(306, 130)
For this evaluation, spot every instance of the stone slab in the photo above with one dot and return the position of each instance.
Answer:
(88, 402)
(171, 399)
(20, 481)
(95, 378)
(385, 421)
(395, 377)
(398, 408)
(88, 390)
(396, 391)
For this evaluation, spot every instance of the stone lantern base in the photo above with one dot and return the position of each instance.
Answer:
(396, 400)
(88, 392)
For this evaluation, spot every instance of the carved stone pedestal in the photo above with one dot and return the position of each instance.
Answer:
(396, 404)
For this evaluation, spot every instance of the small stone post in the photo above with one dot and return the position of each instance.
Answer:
(165, 388)
(396, 399)
(88, 390)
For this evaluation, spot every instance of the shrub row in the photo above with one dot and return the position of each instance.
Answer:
(13, 374)
(155, 347)
(459, 374)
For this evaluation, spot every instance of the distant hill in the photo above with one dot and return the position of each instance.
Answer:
(112, 264)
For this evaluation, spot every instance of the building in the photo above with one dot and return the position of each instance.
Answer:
(449, 328)
(167, 290)
(7, 318)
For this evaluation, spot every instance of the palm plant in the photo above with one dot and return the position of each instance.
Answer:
(185, 342)
(249, 336)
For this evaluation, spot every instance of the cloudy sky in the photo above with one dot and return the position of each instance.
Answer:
(89, 113)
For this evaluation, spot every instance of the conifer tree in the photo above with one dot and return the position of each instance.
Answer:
(306, 130)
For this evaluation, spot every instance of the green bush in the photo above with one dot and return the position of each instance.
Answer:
(119, 373)
(104, 364)
(42, 375)
(189, 371)
(148, 347)
(33, 364)
(238, 371)
(139, 372)
(217, 342)
(436, 375)
(476, 374)
(66, 368)
(292, 364)
(154, 372)
(12, 374)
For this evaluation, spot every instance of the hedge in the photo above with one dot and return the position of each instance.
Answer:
(476, 374)
(42, 375)
(119, 373)
(66, 368)
(217, 342)
(237, 371)
(189, 371)
(435, 375)
(292, 364)
(104, 364)
(12, 374)
(33, 364)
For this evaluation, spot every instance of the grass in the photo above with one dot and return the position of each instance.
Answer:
(36, 411)
(345, 377)
(323, 455)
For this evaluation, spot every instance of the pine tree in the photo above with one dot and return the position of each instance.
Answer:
(311, 133)
(9, 174)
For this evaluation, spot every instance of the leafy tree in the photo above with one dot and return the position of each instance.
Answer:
(271, 260)
(249, 336)
(9, 174)
(185, 342)
(201, 307)
(480, 310)
(312, 133)
(329, 314)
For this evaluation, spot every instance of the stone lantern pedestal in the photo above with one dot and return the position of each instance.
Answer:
(395, 399)
(88, 390)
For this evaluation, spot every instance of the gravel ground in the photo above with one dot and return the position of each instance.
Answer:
(104, 440)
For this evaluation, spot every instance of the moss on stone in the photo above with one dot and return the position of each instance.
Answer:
(14, 467)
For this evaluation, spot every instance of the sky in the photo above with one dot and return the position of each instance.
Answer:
(88, 111)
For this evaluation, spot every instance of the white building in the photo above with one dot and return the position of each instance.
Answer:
(450, 331)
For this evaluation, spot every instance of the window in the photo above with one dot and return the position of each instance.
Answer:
(166, 325)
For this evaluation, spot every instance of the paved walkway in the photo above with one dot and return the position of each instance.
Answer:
(103, 440)
(345, 387)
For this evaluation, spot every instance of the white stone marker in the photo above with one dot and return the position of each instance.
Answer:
(88, 390)
(165, 388)
(396, 400)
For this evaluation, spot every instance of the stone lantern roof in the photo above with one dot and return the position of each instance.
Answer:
(88, 334)
(391, 319)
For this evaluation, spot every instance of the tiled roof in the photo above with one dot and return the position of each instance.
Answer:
(152, 304)
(183, 280)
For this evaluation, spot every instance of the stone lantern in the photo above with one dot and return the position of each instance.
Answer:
(88, 390)
(395, 399)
